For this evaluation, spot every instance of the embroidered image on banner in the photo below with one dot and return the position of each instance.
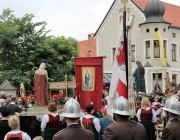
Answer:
(88, 76)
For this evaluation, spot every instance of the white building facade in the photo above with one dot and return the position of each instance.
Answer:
(144, 42)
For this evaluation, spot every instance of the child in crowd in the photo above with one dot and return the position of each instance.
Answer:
(156, 105)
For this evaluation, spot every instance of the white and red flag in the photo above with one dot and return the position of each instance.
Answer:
(118, 86)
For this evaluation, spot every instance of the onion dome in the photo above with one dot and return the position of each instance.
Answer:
(154, 11)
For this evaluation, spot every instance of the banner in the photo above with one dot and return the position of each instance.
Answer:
(89, 81)
(131, 94)
(118, 86)
(161, 47)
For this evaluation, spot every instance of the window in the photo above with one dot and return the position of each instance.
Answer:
(157, 80)
(173, 35)
(132, 53)
(174, 77)
(164, 47)
(173, 52)
(113, 54)
(156, 49)
(147, 49)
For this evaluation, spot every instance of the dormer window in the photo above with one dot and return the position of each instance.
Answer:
(173, 35)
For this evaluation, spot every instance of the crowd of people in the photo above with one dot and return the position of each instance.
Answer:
(74, 123)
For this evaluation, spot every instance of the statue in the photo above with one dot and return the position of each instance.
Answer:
(22, 89)
(87, 78)
(167, 80)
(139, 78)
(41, 85)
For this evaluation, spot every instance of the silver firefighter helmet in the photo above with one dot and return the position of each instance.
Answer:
(121, 106)
(72, 109)
(172, 105)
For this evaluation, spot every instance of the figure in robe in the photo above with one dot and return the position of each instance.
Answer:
(139, 78)
(167, 80)
(41, 85)
(87, 78)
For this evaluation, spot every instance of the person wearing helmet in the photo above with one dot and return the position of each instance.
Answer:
(73, 130)
(172, 110)
(124, 129)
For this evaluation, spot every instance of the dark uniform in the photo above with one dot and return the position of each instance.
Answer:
(74, 132)
(171, 132)
(122, 130)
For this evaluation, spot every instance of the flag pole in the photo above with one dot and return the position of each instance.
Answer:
(125, 40)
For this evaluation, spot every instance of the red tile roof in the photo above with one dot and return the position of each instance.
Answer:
(171, 11)
(86, 45)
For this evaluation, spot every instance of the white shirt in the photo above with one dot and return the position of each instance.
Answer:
(45, 120)
(95, 121)
(25, 136)
(138, 115)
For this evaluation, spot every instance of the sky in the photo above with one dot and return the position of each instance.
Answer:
(70, 18)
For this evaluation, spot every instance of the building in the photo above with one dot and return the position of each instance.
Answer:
(144, 40)
(150, 16)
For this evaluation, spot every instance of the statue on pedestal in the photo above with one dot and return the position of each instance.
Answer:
(41, 86)
(139, 78)
(167, 80)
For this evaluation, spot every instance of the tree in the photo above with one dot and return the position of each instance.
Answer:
(24, 45)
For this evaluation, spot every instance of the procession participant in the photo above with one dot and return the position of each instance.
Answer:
(73, 131)
(15, 133)
(172, 110)
(41, 85)
(105, 122)
(147, 116)
(13, 107)
(90, 122)
(50, 122)
(123, 129)
(4, 127)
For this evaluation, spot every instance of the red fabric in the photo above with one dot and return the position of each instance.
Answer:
(53, 121)
(17, 136)
(122, 89)
(88, 123)
(146, 114)
(86, 97)
(41, 91)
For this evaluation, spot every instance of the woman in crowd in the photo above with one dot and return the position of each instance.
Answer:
(15, 133)
(105, 122)
(50, 122)
(146, 115)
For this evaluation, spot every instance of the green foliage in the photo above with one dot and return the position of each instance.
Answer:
(24, 45)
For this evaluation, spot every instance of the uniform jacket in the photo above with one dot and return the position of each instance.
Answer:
(171, 132)
(74, 132)
(122, 130)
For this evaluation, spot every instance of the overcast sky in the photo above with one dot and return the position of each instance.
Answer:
(74, 18)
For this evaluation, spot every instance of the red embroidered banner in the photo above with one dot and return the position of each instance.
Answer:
(89, 81)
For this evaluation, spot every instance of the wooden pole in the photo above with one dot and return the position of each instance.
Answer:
(125, 43)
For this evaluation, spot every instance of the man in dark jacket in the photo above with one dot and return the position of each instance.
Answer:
(73, 131)
(124, 129)
(13, 107)
(172, 109)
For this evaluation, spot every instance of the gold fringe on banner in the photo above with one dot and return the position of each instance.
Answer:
(161, 48)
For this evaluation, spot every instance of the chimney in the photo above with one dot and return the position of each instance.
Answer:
(90, 35)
